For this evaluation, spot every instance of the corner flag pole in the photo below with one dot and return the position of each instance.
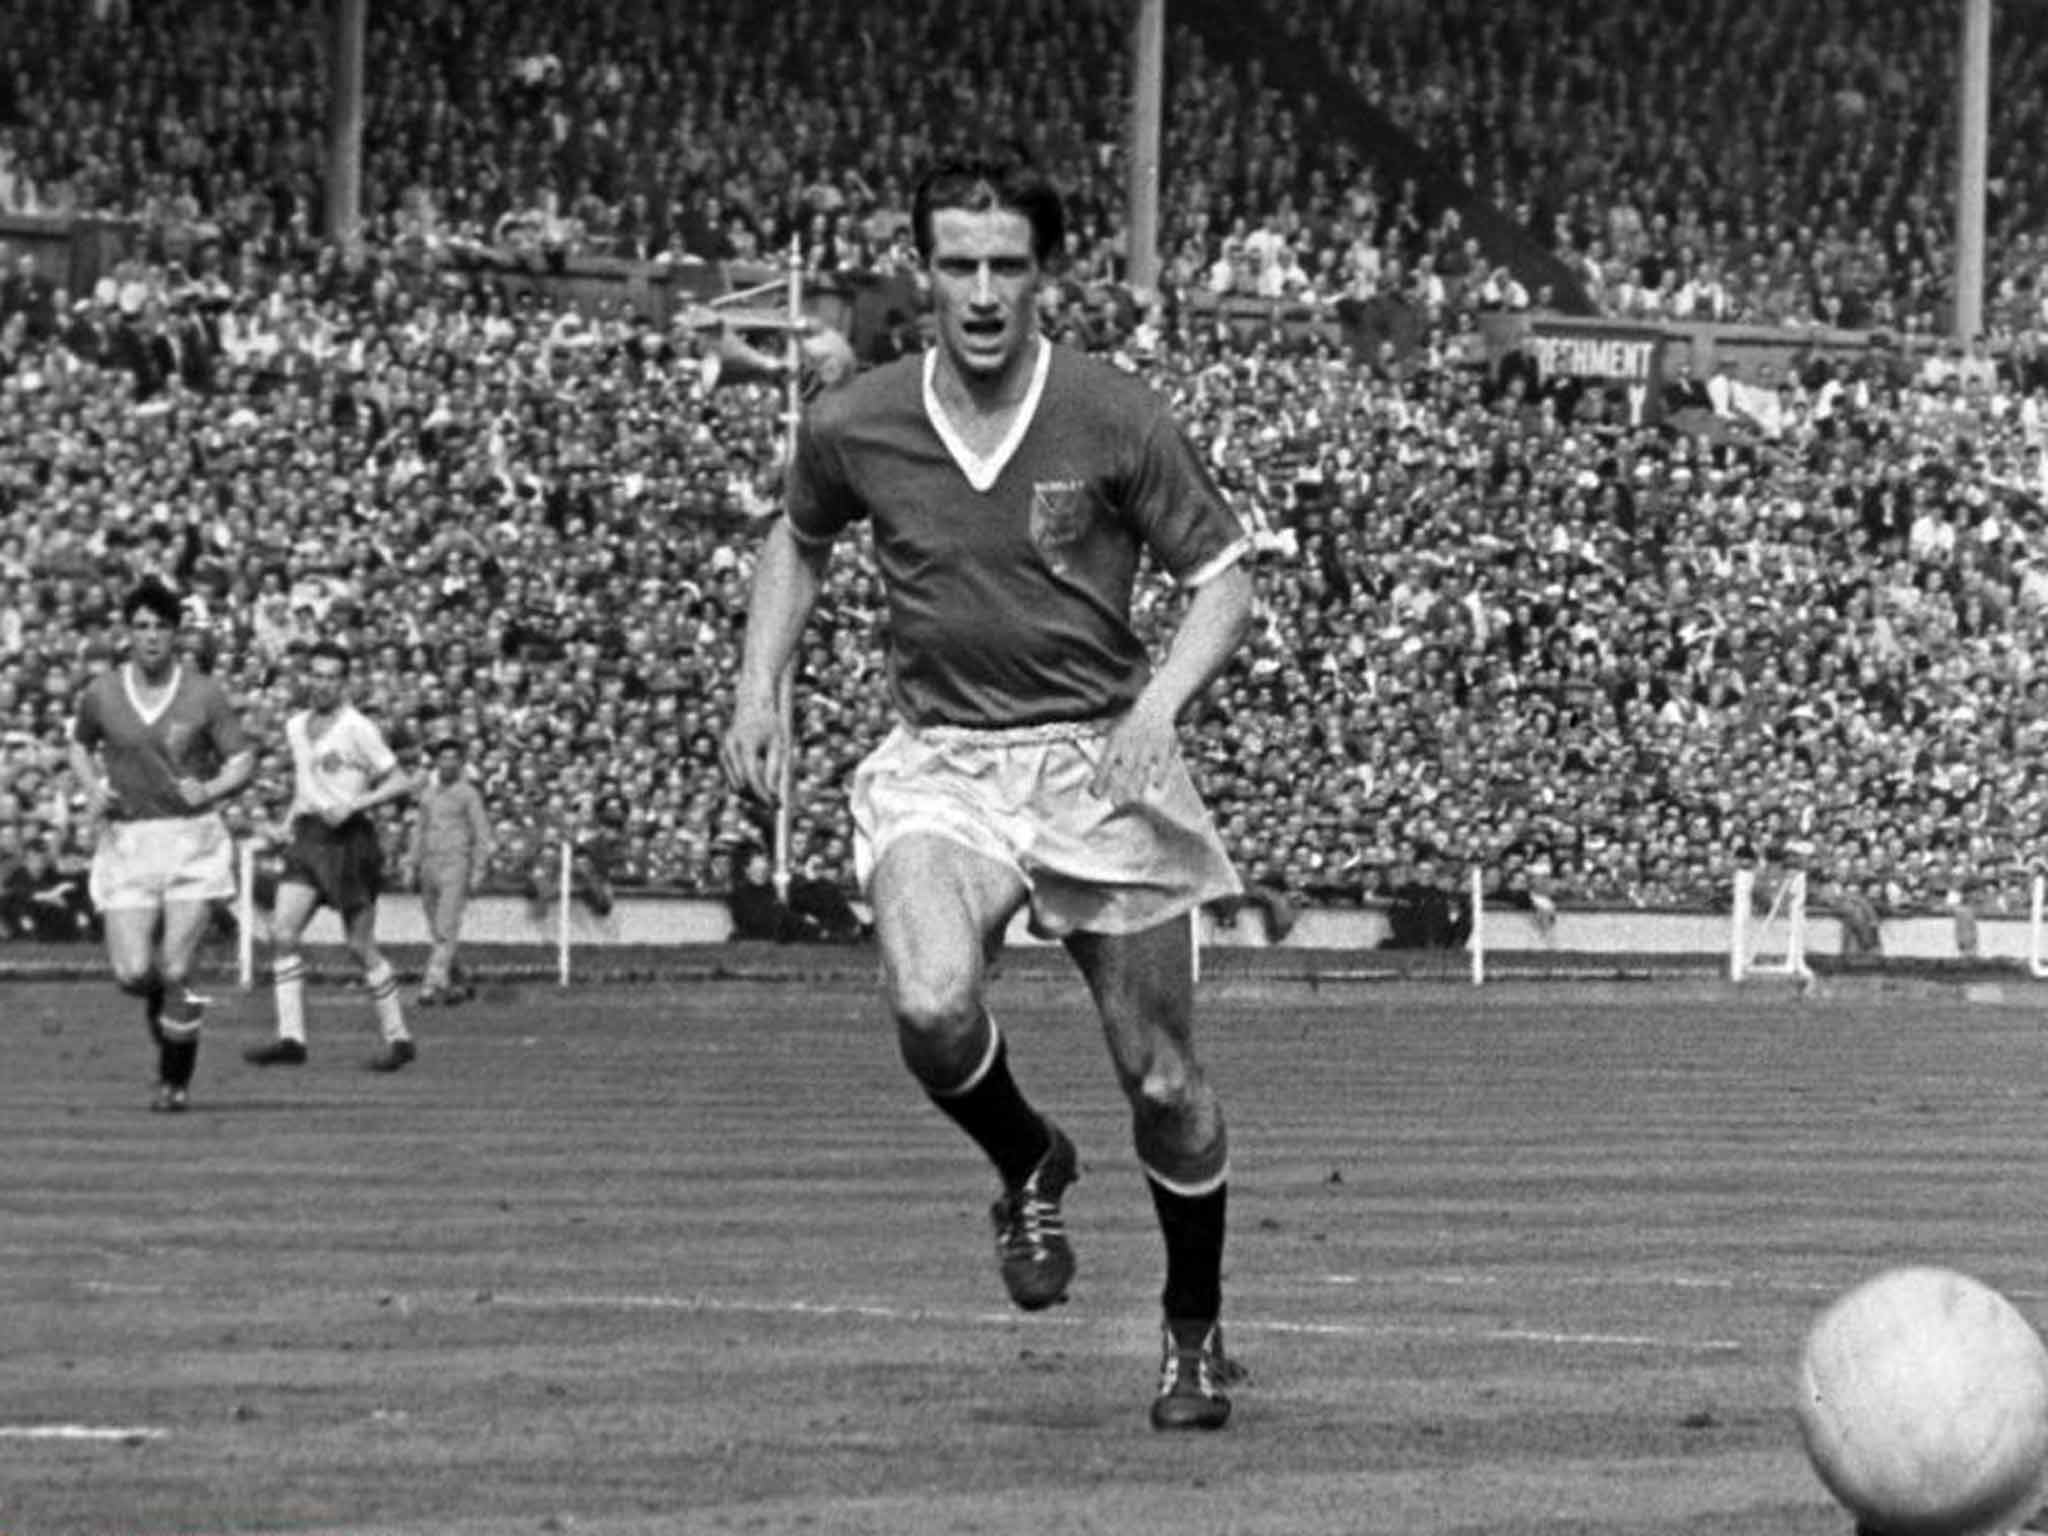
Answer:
(792, 407)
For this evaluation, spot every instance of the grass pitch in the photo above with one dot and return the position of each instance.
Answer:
(697, 1258)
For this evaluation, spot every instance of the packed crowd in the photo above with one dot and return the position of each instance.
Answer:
(1736, 160)
(1727, 160)
(1598, 652)
(1503, 622)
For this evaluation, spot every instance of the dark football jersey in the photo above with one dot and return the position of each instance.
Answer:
(1009, 578)
(144, 754)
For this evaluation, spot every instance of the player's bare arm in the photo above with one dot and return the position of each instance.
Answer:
(392, 784)
(788, 576)
(236, 772)
(1137, 750)
(85, 770)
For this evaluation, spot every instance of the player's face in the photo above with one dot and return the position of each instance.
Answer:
(151, 641)
(325, 683)
(984, 279)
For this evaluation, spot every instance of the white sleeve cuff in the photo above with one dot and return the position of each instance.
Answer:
(807, 540)
(1230, 555)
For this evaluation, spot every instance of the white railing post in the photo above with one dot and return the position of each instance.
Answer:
(1477, 943)
(565, 890)
(2037, 962)
(1738, 937)
(245, 914)
(1795, 941)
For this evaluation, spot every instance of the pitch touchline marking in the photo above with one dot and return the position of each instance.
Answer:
(1467, 1279)
(885, 1313)
(79, 1432)
(1490, 1335)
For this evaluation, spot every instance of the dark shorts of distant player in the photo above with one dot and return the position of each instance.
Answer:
(344, 865)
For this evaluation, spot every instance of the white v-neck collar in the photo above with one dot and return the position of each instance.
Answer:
(981, 472)
(151, 716)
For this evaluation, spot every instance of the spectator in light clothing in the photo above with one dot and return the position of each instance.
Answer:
(447, 853)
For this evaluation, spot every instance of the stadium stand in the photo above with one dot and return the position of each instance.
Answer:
(1602, 644)
(1791, 164)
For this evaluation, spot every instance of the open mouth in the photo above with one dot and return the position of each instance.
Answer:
(984, 329)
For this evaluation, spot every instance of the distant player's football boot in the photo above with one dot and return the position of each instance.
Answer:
(396, 1056)
(1031, 1239)
(1192, 1377)
(170, 1099)
(276, 1053)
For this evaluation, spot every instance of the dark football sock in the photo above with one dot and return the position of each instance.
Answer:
(1193, 1228)
(177, 1032)
(993, 1110)
(153, 992)
(176, 1060)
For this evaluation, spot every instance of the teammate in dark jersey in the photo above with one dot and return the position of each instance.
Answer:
(157, 746)
(1011, 487)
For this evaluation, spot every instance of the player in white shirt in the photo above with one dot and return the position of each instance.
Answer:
(342, 770)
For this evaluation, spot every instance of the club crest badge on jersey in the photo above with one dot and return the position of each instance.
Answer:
(1059, 517)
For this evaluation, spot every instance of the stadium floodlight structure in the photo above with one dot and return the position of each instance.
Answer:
(349, 27)
(1973, 136)
(1148, 74)
(785, 690)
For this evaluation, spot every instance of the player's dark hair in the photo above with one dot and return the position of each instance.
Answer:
(448, 744)
(331, 650)
(1003, 179)
(150, 595)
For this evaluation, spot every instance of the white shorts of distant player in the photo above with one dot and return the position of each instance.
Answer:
(1021, 797)
(150, 863)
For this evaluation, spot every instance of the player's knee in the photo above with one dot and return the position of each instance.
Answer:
(1171, 1096)
(135, 977)
(933, 1001)
(1177, 1122)
(1167, 1083)
(938, 1031)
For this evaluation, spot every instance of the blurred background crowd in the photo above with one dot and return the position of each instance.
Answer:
(1599, 645)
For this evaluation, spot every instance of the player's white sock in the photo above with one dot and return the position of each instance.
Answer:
(383, 984)
(288, 984)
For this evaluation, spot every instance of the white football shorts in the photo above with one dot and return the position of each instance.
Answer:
(151, 862)
(1021, 797)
